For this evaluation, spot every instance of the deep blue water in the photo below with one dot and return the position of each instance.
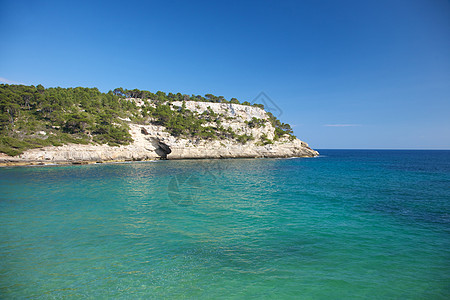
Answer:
(350, 224)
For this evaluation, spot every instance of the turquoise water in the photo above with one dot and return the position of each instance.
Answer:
(346, 225)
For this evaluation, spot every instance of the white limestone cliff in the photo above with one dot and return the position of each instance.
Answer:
(153, 142)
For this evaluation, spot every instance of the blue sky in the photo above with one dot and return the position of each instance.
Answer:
(346, 74)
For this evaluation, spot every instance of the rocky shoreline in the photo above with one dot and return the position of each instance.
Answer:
(147, 148)
(153, 142)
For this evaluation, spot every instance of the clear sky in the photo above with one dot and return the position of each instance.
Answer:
(346, 74)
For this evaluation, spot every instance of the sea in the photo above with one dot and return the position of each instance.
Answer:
(349, 224)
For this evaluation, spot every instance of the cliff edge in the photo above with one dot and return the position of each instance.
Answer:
(253, 136)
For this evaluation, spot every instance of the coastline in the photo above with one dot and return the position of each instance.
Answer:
(60, 163)
(8, 161)
(154, 142)
(83, 162)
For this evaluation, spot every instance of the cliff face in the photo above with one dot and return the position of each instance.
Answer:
(154, 142)
(237, 117)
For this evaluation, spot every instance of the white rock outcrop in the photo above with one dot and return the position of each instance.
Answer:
(151, 142)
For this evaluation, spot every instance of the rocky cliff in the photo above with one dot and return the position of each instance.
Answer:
(155, 142)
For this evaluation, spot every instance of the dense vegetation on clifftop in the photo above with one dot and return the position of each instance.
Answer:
(33, 116)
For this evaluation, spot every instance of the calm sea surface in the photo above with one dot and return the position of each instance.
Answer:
(346, 225)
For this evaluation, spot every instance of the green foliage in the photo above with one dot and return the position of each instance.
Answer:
(255, 123)
(265, 141)
(258, 105)
(244, 138)
(15, 146)
(161, 97)
(66, 115)
(112, 135)
(281, 129)
(181, 122)
(77, 122)
(12, 146)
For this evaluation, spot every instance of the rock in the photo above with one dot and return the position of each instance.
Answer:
(164, 148)
(152, 142)
(144, 131)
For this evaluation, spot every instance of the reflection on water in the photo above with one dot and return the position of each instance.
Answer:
(334, 227)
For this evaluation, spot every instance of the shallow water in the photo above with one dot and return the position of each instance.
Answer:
(348, 224)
